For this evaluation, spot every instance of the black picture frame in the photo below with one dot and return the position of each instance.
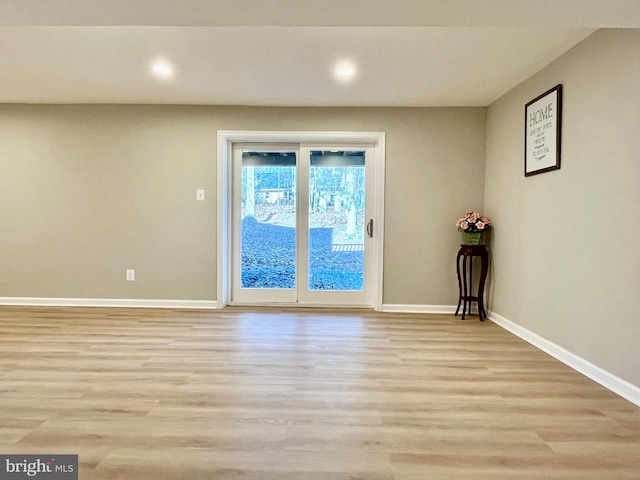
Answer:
(542, 132)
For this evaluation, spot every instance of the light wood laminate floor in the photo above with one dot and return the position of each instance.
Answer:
(301, 394)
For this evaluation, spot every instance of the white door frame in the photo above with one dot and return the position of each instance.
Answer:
(226, 139)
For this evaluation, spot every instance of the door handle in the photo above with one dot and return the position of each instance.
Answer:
(370, 228)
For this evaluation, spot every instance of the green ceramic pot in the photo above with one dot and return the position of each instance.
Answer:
(469, 238)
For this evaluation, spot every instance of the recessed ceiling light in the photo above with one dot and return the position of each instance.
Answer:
(344, 71)
(162, 69)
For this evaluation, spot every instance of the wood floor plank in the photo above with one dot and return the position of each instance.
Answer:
(305, 394)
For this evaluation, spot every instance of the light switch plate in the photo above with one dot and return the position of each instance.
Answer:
(200, 195)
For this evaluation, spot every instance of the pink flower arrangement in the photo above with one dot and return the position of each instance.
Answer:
(473, 222)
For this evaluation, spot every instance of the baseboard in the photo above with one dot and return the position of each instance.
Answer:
(409, 308)
(107, 302)
(608, 380)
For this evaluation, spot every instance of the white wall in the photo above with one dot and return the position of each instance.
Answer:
(566, 254)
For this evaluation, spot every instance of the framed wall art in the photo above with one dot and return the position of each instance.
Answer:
(543, 122)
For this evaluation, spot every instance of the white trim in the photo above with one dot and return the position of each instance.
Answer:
(226, 139)
(408, 308)
(223, 219)
(378, 223)
(302, 305)
(107, 302)
(233, 136)
(617, 385)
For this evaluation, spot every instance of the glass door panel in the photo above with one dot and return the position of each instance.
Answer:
(336, 230)
(335, 254)
(267, 226)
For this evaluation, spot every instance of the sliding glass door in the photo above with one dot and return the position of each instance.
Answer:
(301, 224)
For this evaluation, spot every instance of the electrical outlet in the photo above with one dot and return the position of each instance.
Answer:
(131, 275)
(200, 195)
